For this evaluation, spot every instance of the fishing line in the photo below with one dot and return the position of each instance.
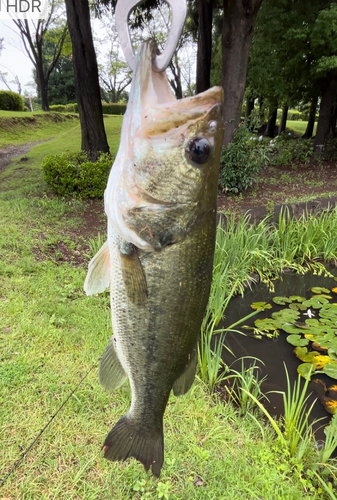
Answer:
(45, 427)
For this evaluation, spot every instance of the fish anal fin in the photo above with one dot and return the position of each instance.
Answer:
(98, 276)
(186, 379)
(111, 374)
(134, 277)
(128, 439)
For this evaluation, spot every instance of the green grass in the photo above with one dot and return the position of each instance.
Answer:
(19, 128)
(299, 127)
(51, 334)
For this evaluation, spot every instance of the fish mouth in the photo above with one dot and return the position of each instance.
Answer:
(171, 115)
(160, 110)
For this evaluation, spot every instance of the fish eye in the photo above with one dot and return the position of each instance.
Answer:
(212, 126)
(198, 149)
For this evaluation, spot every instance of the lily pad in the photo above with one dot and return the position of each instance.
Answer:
(319, 289)
(301, 352)
(320, 361)
(296, 298)
(329, 404)
(286, 315)
(297, 307)
(334, 290)
(305, 370)
(330, 369)
(316, 302)
(265, 324)
(281, 301)
(260, 305)
(297, 340)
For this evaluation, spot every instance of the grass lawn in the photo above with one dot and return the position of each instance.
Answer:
(299, 127)
(51, 335)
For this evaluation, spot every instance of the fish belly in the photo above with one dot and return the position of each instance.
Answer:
(154, 339)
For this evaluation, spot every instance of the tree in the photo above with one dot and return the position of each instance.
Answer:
(34, 35)
(324, 46)
(204, 54)
(61, 82)
(115, 75)
(239, 18)
(86, 78)
(296, 40)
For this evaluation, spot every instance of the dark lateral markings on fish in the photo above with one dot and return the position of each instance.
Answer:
(165, 179)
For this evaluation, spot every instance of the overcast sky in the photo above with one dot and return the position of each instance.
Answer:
(13, 58)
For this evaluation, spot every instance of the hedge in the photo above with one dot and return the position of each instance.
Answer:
(113, 108)
(11, 101)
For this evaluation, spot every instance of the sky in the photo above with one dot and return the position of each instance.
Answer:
(13, 59)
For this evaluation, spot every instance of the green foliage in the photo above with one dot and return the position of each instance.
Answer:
(112, 108)
(245, 382)
(76, 175)
(64, 108)
(286, 150)
(61, 86)
(241, 161)
(10, 101)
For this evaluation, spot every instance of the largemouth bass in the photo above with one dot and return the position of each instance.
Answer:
(160, 203)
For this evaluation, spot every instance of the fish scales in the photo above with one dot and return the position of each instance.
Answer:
(161, 206)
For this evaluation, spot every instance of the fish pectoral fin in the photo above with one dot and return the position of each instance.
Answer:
(111, 373)
(129, 439)
(134, 277)
(98, 276)
(186, 379)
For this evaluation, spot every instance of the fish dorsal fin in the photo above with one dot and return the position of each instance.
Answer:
(98, 276)
(111, 373)
(186, 379)
(133, 275)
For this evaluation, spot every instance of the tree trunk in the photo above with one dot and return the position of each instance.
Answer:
(86, 78)
(311, 121)
(284, 117)
(270, 130)
(204, 54)
(43, 87)
(329, 88)
(333, 120)
(238, 23)
(249, 108)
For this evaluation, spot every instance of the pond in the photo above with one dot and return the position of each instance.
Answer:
(275, 352)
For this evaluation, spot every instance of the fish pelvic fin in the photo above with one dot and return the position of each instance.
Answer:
(111, 374)
(186, 379)
(133, 276)
(129, 439)
(98, 276)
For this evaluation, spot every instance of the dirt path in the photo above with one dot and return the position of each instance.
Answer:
(6, 154)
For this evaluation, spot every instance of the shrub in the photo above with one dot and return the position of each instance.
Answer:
(10, 101)
(112, 108)
(76, 175)
(241, 161)
(286, 149)
(64, 108)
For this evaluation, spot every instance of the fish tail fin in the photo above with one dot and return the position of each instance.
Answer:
(128, 439)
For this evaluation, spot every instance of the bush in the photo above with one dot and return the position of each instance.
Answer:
(112, 108)
(10, 101)
(64, 108)
(241, 161)
(286, 149)
(76, 175)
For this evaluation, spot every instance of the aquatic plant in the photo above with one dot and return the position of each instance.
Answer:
(319, 333)
(294, 430)
(246, 382)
